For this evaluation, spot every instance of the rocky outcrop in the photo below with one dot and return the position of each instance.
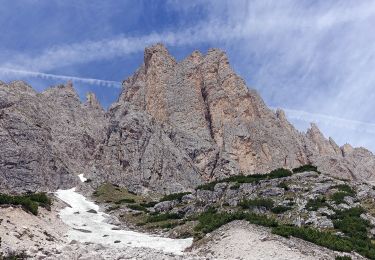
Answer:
(218, 125)
(174, 126)
(46, 138)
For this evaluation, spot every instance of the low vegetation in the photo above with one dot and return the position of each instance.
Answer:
(315, 204)
(174, 196)
(254, 178)
(338, 197)
(29, 202)
(258, 202)
(345, 188)
(349, 233)
(211, 220)
(14, 256)
(305, 168)
(283, 185)
(162, 217)
(137, 207)
(280, 209)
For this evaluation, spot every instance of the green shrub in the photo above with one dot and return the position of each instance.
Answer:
(148, 204)
(235, 186)
(29, 202)
(315, 204)
(258, 202)
(162, 217)
(345, 188)
(315, 236)
(338, 197)
(279, 173)
(41, 197)
(343, 257)
(350, 222)
(174, 196)
(305, 168)
(283, 185)
(280, 209)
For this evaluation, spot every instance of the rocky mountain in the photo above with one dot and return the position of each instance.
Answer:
(175, 125)
(46, 138)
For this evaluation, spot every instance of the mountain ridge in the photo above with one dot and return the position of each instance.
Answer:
(174, 126)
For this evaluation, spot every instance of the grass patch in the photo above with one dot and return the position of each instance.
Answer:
(305, 168)
(169, 224)
(29, 202)
(162, 217)
(174, 196)
(126, 200)
(110, 193)
(315, 204)
(258, 202)
(254, 178)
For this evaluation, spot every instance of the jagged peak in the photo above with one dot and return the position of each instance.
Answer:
(280, 114)
(314, 129)
(21, 85)
(196, 57)
(346, 149)
(158, 50)
(62, 89)
(92, 101)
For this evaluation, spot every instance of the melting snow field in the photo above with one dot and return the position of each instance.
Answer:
(91, 227)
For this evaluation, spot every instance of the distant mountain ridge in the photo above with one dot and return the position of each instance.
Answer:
(175, 125)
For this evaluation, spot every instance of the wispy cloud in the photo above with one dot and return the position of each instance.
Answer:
(317, 57)
(333, 121)
(99, 82)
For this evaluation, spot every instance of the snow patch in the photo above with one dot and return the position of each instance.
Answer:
(97, 231)
(83, 179)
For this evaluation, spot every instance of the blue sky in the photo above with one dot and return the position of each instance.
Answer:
(315, 59)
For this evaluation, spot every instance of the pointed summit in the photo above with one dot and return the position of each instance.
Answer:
(92, 101)
(157, 55)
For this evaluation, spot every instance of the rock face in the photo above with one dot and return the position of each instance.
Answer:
(174, 126)
(46, 138)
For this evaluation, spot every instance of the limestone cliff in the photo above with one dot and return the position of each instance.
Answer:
(174, 126)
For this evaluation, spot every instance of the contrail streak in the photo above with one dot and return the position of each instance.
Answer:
(104, 83)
